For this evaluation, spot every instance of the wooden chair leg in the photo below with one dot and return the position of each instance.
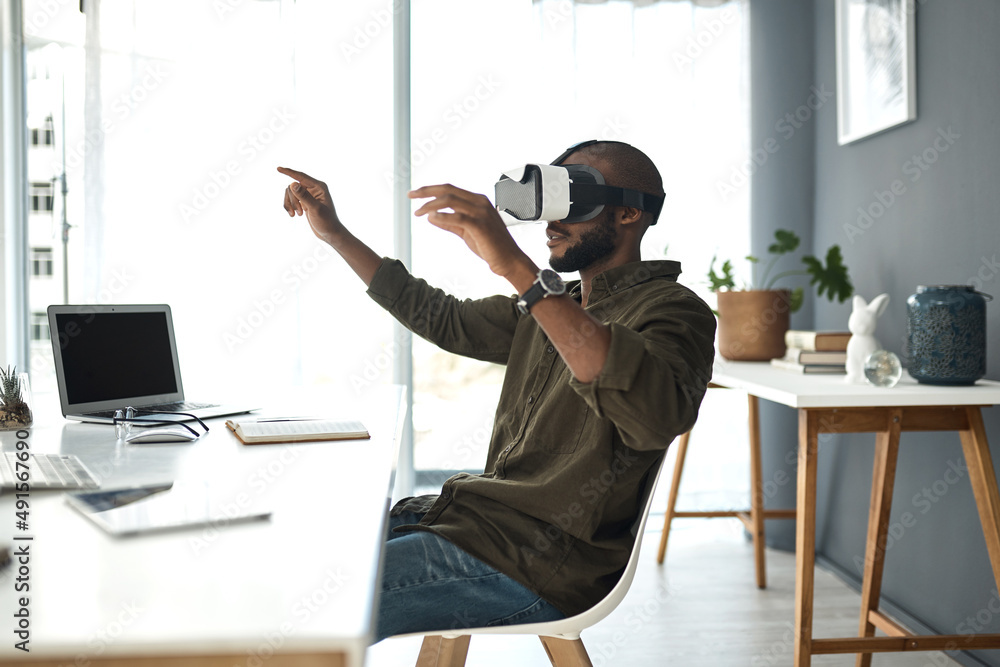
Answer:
(756, 491)
(566, 652)
(682, 447)
(438, 651)
(883, 479)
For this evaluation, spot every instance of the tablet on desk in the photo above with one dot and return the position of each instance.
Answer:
(159, 507)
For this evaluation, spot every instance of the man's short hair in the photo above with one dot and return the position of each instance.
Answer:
(631, 167)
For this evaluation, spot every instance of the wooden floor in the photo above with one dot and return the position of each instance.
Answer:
(700, 608)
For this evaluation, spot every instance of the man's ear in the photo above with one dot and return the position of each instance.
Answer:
(627, 215)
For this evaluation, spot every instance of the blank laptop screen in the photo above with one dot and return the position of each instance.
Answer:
(110, 356)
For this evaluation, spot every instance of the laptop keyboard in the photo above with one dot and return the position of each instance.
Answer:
(48, 471)
(177, 406)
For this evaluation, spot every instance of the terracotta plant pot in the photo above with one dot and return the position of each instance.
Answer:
(752, 324)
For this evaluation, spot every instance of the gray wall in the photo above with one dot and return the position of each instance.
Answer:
(782, 80)
(942, 229)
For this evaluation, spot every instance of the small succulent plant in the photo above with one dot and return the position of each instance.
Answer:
(14, 410)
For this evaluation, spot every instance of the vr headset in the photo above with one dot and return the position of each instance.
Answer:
(564, 192)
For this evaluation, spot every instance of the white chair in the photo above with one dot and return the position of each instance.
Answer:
(561, 639)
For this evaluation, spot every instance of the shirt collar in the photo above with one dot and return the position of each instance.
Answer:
(625, 276)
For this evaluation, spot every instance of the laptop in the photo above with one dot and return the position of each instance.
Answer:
(111, 357)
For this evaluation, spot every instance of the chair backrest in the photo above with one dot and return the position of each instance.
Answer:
(607, 605)
(570, 628)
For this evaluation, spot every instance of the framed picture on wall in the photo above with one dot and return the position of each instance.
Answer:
(876, 66)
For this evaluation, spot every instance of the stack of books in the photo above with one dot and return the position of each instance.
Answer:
(814, 352)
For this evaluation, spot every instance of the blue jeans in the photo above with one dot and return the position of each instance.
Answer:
(430, 584)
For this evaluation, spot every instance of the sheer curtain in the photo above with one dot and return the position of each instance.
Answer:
(668, 77)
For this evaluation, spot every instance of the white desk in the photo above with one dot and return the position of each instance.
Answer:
(826, 404)
(298, 589)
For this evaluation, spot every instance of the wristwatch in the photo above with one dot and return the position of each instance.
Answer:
(547, 284)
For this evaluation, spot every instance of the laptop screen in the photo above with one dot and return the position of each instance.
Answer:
(115, 355)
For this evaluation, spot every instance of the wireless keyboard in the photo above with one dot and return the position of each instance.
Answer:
(47, 471)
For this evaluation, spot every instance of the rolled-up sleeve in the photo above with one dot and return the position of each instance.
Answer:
(656, 373)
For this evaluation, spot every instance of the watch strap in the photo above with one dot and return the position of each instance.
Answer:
(534, 294)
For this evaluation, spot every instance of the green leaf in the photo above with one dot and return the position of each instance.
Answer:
(752, 259)
(795, 302)
(786, 241)
(724, 281)
(832, 278)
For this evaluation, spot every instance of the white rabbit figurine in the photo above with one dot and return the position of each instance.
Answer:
(863, 342)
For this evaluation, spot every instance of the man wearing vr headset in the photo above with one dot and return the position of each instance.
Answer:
(602, 374)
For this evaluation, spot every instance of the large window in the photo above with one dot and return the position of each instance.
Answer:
(169, 120)
(166, 121)
(667, 77)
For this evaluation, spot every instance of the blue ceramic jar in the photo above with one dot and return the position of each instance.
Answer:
(946, 332)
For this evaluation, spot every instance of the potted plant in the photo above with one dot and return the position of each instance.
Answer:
(14, 409)
(753, 317)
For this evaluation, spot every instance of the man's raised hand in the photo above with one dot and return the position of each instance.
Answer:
(311, 198)
(476, 221)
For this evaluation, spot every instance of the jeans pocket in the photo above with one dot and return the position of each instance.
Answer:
(538, 611)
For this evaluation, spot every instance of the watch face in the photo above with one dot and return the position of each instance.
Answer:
(551, 282)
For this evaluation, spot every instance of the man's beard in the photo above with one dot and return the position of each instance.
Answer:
(593, 245)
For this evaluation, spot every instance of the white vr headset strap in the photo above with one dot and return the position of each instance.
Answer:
(555, 189)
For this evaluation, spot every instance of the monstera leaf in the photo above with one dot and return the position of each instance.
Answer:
(832, 278)
(785, 241)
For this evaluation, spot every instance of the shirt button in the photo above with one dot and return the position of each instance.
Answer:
(614, 288)
(550, 349)
(446, 495)
(531, 399)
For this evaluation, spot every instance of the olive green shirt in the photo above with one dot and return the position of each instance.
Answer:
(568, 461)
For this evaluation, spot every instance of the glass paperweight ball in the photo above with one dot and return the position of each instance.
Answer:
(882, 368)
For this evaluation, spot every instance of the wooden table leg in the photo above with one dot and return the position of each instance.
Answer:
(682, 448)
(805, 536)
(984, 484)
(883, 479)
(756, 491)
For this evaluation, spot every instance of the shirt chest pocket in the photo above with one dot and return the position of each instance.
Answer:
(558, 426)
